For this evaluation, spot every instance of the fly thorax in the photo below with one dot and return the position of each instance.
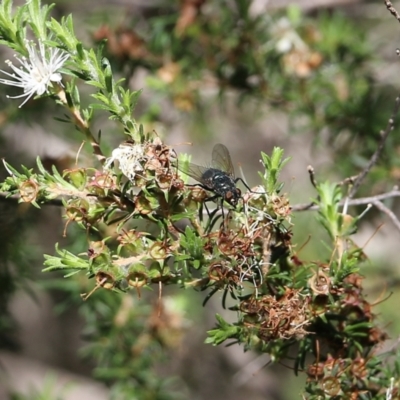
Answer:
(223, 183)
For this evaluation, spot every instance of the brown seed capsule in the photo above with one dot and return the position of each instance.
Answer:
(29, 190)
(320, 283)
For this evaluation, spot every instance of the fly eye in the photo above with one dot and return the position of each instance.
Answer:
(231, 198)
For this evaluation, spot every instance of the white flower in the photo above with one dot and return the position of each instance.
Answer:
(37, 72)
(130, 158)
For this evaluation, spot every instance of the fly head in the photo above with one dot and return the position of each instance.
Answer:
(232, 196)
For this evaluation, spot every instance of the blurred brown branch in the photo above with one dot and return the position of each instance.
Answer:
(353, 202)
(392, 10)
(374, 159)
(379, 205)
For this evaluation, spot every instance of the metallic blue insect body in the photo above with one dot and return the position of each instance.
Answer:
(219, 178)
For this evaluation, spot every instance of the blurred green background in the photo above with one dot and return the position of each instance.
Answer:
(317, 78)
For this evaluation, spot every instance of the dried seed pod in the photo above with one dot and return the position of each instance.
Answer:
(105, 280)
(137, 280)
(29, 190)
(331, 386)
(320, 283)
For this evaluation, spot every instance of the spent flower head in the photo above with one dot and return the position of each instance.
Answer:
(37, 72)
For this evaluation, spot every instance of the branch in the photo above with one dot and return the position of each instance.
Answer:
(392, 10)
(4, 197)
(378, 204)
(358, 179)
(378, 151)
(375, 200)
(82, 125)
(65, 195)
(354, 202)
(311, 173)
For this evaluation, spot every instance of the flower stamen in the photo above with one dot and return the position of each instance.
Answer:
(37, 72)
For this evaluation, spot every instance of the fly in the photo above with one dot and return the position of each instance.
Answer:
(218, 178)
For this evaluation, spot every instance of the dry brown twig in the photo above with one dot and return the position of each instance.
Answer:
(380, 206)
(311, 173)
(357, 180)
(82, 125)
(353, 202)
(391, 9)
(374, 159)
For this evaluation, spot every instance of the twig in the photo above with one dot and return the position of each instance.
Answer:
(82, 125)
(378, 151)
(378, 204)
(305, 207)
(58, 201)
(375, 200)
(392, 10)
(349, 180)
(4, 197)
(353, 202)
(311, 173)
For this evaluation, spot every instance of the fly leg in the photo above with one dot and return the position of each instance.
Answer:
(224, 223)
(247, 186)
(212, 216)
(203, 202)
(244, 183)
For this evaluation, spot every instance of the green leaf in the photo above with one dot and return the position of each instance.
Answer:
(273, 166)
(38, 18)
(193, 244)
(66, 261)
(328, 214)
(109, 81)
(223, 332)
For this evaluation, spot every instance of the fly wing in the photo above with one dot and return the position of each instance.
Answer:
(222, 160)
(194, 171)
